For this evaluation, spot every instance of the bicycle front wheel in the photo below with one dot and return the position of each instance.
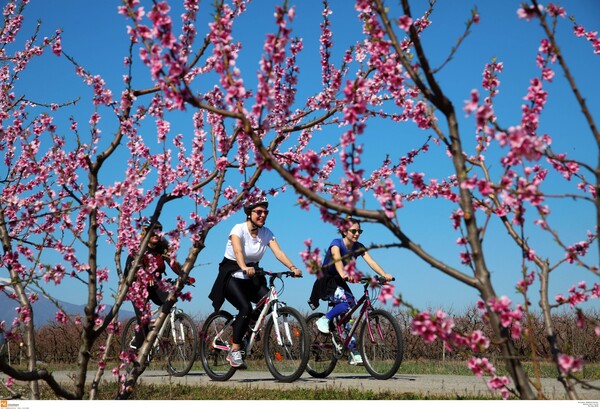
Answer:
(380, 344)
(215, 340)
(286, 345)
(182, 345)
(322, 355)
(128, 335)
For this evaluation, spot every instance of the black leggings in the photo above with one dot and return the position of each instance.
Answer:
(158, 297)
(241, 293)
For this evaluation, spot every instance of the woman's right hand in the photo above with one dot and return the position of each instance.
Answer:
(250, 271)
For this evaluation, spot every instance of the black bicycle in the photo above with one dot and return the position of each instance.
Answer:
(379, 340)
(282, 329)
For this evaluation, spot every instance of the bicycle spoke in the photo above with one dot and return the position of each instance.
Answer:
(322, 357)
(286, 345)
(182, 345)
(214, 349)
(380, 344)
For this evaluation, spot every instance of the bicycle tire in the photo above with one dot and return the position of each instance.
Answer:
(128, 334)
(288, 361)
(382, 355)
(322, 358)
(213, 359)
(182, 345)
(128, 353)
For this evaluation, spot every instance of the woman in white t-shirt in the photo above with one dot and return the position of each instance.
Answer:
(237, 282)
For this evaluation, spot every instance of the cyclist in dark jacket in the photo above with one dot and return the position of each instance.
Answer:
(155, 259)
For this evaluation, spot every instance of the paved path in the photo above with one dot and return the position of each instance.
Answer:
(446, 385)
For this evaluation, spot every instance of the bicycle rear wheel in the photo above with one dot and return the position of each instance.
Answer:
(322, 357)
(286, 355)
(380, 344)
(182, 345)
(215, 341)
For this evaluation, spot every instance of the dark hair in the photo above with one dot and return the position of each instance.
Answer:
(347, 222)
(163, 244)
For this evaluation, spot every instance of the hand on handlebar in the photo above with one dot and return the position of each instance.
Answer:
(250, 271)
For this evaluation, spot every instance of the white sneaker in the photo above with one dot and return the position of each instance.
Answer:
(323, 325)
(235, 358)
(354, 358)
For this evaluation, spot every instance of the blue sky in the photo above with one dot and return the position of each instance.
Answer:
(94, 34)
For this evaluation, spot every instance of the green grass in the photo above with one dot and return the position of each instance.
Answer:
(108, 391)
(143, 391)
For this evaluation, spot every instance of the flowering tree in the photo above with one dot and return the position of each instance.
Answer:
(55, 201)
(396, 80)
(71, 193)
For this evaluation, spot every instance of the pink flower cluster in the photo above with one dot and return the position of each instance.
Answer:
(578, 294)
(509, 318)
(569, 364)
(481, 367)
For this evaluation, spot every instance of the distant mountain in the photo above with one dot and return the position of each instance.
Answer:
(44, 311)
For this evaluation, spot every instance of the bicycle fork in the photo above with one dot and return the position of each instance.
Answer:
(281, 341)
(177, 330)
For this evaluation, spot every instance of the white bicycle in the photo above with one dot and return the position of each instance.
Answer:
(176, 344)
(282, 329)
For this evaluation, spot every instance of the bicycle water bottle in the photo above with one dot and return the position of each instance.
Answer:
(347, 328)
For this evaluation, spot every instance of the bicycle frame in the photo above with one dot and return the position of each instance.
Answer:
(170, 319)
(268, 301)
(365, 305)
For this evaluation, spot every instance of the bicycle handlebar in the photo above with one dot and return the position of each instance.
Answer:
(190, 281)
(368, 279)
(261, 271)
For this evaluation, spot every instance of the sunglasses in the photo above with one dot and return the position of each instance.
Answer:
(259, 213)
(354, 231)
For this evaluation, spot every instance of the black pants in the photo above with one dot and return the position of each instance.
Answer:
(241, 294)
(158, 297)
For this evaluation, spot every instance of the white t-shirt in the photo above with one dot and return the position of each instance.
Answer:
(252, 247)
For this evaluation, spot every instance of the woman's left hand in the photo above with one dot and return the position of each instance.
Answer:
(297, 272)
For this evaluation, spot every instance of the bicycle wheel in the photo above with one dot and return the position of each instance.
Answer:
(128, 335)
(214, 347)
(322, 358)
(286, 355)
(380, 344)
(182, 345)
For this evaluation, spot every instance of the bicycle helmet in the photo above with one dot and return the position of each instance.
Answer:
(252, 203)
(146, 225)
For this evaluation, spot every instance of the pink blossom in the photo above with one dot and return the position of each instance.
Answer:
(57, 44)
(569, 364)
(61, 317)
(387, 292)
(529, 12)
(404, 23)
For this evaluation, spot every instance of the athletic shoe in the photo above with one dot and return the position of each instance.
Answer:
(354, 358)
(235, 358)
(323, 325)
